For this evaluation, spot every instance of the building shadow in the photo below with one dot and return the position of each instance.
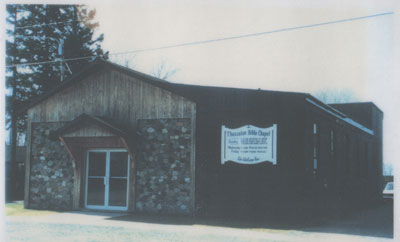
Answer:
(374, 222)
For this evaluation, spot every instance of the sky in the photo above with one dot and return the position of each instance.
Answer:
(355, 55)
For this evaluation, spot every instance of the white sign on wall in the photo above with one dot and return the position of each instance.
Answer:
(249, 144)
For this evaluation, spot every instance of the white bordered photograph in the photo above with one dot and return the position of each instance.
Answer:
(200, 121)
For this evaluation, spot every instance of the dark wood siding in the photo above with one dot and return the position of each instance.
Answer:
(112, 94)
(344, 177)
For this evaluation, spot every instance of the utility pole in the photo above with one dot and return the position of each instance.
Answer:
(60, 55)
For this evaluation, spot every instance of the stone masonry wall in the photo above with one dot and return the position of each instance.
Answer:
(163, 173)
(51, 179)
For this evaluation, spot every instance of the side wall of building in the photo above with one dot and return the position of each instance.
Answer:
(370, 116)
(347, 168)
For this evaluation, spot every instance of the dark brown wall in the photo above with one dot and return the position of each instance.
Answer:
(246, 188)
(349, 172)
(371, 116)
(352, 171)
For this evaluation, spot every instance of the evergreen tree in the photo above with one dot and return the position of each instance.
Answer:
(37, 33)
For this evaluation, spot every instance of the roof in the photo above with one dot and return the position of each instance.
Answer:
(191, 92)
(342, 116)
(185, 90)
(356, 104)
(102, 122)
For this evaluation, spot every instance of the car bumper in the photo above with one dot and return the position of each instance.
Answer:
(388, 196)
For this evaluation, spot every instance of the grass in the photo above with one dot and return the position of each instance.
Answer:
(17, 209)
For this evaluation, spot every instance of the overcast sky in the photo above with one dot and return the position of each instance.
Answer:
(356, 55)
(339, 55)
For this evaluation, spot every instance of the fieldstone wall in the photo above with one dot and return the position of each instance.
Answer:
(51, 179)
(163, 178)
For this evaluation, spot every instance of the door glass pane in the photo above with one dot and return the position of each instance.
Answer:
(107, 179)
(97, 163)
(95, 191)
(118, 164)
(117, 192)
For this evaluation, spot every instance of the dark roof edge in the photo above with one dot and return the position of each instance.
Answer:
(327, 108)
(373, 104)
(341, 114)
(237, 88)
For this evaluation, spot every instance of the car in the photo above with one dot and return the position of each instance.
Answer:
(388, 191)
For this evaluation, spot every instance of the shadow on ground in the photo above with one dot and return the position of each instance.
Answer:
(375, 222)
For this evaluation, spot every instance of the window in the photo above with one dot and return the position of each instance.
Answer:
(358, 159)
(334, 164)
(346, 154)
(365, 161)
(315, 146)
(332, 148)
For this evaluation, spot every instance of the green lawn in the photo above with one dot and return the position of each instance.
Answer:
(17, 209)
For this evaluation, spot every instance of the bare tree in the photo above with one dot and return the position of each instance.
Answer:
(387, 169)
(163, 70)
(126, 59)
(336, 95)
(128, 63)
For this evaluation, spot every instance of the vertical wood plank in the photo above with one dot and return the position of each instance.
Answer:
(112, 94)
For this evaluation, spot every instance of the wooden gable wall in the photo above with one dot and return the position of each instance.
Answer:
(113, 94)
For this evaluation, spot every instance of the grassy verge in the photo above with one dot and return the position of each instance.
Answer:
(17, 209)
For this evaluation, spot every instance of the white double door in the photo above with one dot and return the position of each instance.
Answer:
(107, 179)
